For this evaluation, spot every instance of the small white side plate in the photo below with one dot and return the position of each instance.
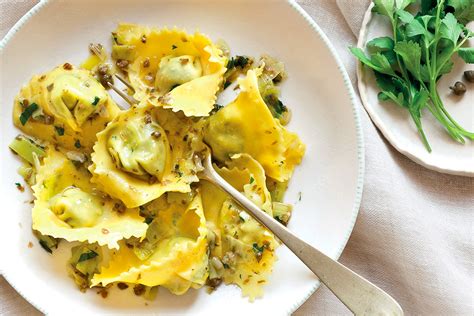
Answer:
(396, 125)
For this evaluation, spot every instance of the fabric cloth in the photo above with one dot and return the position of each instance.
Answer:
(414, 233)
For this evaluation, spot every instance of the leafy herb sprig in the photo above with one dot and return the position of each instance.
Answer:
(408, 65)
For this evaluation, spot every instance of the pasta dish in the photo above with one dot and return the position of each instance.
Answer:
(122, 186)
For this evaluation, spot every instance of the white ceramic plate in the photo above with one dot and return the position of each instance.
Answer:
(396, 125)
(318, 91)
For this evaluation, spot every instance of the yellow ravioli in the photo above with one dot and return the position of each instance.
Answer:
(171, 68)
(72, 108)
(179, 138)
(245, 248)
(179, 260)
(68, 206)
(246, 125)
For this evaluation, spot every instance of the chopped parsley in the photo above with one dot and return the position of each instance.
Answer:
(174, 46)
(237, 61)
(251, 179)
(26, 114)
(44, 245)
(59, 130)
(216, 108)
(258, 251)
(148, 220)
(241, 61)
(77, 144)
(242, 219)
(96, 100)
(87, 256)
(176, 169)
(19, 187)
(114, 36)
(226, 84)
(226, 266)
(276, 106)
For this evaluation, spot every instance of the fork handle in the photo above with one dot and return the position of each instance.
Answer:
(358, 294)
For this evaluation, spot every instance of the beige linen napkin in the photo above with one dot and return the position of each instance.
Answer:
(414, 233)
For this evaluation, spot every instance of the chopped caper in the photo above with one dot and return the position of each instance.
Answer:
(459, 88)
(469, 75)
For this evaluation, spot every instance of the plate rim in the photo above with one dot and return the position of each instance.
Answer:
(384, 128)
(355, 112)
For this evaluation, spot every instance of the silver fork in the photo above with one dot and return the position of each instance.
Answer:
(359, 295)
(96, 49)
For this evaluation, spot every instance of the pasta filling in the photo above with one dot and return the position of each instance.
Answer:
(76, 207)
(65, 107)
(140, 147)
(74, 98)
(146, 152)
(174, 71)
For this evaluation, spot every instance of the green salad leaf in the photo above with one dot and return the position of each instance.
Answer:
(408, 64)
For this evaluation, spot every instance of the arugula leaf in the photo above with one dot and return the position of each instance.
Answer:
(450, 28)
(408, 65)
(382, 63)
(467, 54)
(463, 10)
(380, 44)
(388, 7)
(425, 73)
(446, 68)
(419, 101)
(402, 4)
(415, 28)
(405, 16)
(427, 6)
(384, 7)
(377, 62)
(410, 52)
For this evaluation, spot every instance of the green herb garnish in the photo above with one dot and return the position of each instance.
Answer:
(59, 130)
(408, 65)
(96, 100)
(226, 266)
(251, 180)
(174, 46)
(148, 220)
(216, 108)
(258, 251)
(276, 106)
(237, 61)
(177, 171)
(77, 144)
(26, 114)
(44, 245)
(87, 256)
